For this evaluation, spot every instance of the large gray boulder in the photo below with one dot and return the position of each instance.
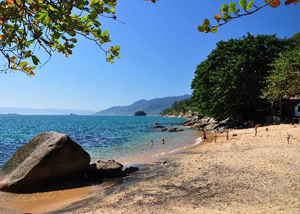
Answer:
(49, 158)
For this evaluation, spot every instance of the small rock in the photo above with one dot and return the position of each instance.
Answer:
(105, 169)
(172, 130)
(131, 170)
(159, 127)
(161, 130)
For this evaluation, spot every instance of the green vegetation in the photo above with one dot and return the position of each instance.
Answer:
(185, 107)
(243, 77)
(27, 26)
(231, 11)
(284, 79)
(229, 83)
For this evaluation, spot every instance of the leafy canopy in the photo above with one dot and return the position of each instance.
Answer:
(284, 79)
(230, 81)
(52, 25)
(233, 11)
(180, 107)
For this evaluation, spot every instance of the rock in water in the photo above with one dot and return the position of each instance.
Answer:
(49, 158)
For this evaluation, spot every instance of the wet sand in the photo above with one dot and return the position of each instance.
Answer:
(245, 174)
(72, 194)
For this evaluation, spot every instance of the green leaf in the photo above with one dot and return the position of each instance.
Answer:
(206, 22)
(232, 7)
(224, 8)
(28, 43)
(23, 64)
(35, 60)
(243, 3)
(249, 5)
(200, 29)
(53, 8)
(74, 40)
(214, 29)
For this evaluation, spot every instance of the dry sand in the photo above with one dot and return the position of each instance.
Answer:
(246, 174)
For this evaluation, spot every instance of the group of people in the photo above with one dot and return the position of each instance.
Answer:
(227, 134)
(204, 136)
(162, 142)
(289, 136)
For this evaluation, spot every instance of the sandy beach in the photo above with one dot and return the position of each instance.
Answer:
(245, 174)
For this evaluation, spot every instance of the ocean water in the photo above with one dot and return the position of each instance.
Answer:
(103, 137)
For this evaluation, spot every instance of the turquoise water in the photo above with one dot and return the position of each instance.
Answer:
(103, 137)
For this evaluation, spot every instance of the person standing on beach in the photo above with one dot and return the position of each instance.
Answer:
(216, 136)
(288, 138)
(255, 128)
(227, 134)
(204, 137)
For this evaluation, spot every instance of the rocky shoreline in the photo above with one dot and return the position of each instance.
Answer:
(53, 158)
(208, 124)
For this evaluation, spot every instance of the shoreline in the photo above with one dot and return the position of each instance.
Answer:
(246, 174)
(57, 197)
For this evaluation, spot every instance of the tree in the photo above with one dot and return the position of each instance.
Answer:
(231, 11)
(180, 107)
(52, 25)
(229, 82)
(284, 79)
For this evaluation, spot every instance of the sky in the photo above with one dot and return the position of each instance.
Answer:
(160, 49)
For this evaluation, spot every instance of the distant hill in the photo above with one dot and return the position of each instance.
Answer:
(32, 111)
(151, 107)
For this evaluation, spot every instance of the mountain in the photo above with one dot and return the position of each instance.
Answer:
(151, 107)
(32, 111)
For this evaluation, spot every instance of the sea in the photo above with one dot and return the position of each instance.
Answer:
(121, 138)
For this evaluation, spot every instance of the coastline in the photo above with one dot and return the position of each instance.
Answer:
(246, 174)
(50, 199)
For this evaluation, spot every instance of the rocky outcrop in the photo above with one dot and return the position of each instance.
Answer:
(108, 169)
(49, 158)
(175, 130)
(159, 127)
(162, 130)
(209, 124)
(140, 113)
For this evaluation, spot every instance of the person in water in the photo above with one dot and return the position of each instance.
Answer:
(163, 142)
(151, 143)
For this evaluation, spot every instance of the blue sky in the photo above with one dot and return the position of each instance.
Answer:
(160, 48)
